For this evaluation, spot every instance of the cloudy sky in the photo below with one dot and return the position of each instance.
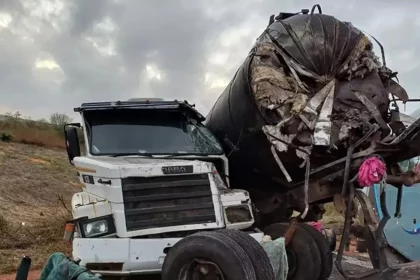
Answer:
(56, 54)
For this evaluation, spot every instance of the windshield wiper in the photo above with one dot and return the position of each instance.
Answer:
(183, 154)
(132, 154)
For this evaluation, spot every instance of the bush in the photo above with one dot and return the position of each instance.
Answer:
(40, 133)
(24, 130)
(58, 119)
(6, 137)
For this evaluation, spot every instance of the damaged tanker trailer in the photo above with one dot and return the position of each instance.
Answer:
(309, 106)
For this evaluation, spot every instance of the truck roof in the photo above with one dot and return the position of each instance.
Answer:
(141, 105)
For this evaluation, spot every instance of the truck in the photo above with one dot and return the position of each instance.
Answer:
(156, 196)
(308, 118)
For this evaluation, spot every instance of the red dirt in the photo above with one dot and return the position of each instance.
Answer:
(33, 275)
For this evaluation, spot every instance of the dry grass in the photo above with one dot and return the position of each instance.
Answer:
(33, 133)
(32, 218)
(33, 136)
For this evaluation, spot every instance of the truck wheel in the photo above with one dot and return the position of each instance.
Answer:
(324, 249)
(254, 250)
(207, 256)
(303, 256)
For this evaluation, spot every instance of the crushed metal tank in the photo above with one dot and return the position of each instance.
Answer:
(310, 87)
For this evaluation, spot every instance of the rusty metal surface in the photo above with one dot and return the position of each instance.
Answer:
(288, 235)
(407, 179)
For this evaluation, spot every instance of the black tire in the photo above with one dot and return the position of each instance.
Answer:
(324, 249)
(259, 258)
(303, 255)
(210, 246)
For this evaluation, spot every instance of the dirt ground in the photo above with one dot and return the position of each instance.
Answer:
(36, 186)
(33, 275)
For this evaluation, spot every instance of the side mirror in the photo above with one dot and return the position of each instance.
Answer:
(72, 141)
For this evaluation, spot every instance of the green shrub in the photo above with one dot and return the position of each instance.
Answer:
(6, 137)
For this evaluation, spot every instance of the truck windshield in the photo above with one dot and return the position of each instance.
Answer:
(148, 132)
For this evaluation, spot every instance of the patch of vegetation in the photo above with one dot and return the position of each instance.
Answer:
(6, 137)
(43, 133)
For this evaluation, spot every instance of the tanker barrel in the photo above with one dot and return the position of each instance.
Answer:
(305, 92)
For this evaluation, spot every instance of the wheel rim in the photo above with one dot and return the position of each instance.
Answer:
(292, 262)
(198, 269)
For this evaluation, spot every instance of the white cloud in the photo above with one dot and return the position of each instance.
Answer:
(218, 58)
(234, 36)
(153, 72)
(104, 46)
(107, 25)
(46, 63)
(214, 81)
(5, 20)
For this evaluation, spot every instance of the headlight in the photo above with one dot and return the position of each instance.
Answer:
(95, 228)
(238, 214)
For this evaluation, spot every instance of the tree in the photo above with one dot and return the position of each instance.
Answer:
(59, 119)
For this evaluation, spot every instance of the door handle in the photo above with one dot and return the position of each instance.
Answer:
(107, 182)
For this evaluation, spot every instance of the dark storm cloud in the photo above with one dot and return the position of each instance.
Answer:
(85, 14)
(176, 37)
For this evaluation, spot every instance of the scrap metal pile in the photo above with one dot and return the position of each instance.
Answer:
(312, 86)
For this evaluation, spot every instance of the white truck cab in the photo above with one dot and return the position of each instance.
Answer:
(151, 174)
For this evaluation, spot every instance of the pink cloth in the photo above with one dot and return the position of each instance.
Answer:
(316, 225)
(371, 171)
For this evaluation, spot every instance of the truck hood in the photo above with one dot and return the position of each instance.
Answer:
(121, 167)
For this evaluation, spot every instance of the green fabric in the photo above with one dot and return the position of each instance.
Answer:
(276, 251)
(59, 267)
(408, 165)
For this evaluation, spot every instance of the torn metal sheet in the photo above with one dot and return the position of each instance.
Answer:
(394, 88)
(310, 112)
(407, 119)
(279, 140)
(372, 109)
(322, 133)
(280, 164)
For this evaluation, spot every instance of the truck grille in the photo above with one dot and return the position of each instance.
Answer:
(167, 201)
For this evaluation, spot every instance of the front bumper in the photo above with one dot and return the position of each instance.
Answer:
(137, 256)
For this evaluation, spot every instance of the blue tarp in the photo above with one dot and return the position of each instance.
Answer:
(60, 267)
(402, 234)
